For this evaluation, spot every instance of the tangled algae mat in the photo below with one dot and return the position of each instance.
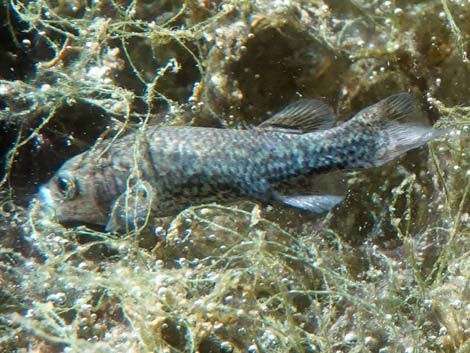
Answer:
(386, 271)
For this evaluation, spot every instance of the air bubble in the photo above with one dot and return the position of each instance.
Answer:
(58, 298)
(159, 232)
(253, 349)
(350, 337)
(212, 237)
(188, 222)
(370, 341)
(398, 11)
(226, 347)
(242, 331)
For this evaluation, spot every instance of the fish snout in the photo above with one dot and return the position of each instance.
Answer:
(43, 204)
(45, 197)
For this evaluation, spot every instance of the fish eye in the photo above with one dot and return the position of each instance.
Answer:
(67, 187)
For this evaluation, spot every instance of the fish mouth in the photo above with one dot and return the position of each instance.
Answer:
(43, 205)
(46, 202)
(45, 197)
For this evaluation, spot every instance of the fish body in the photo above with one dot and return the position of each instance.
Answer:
(162, 170)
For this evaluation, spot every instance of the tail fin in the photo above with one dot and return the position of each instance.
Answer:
(400, 124)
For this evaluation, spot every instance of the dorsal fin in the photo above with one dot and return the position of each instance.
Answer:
(306, 115)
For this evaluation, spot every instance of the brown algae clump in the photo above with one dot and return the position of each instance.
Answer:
(387, 271)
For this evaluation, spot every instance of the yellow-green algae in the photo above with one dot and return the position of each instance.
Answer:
(387, 271)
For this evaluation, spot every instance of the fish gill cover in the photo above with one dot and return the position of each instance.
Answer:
(386, 271)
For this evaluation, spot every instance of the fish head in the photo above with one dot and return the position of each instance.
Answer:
(70, 193)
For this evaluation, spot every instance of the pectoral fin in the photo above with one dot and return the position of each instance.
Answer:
(311, 203)
(132, 209)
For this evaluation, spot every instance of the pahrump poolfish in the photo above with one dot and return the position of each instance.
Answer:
(163, 170)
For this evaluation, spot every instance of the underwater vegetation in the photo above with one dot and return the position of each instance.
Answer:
(388, 270)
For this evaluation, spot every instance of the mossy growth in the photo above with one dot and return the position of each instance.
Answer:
(386, 271)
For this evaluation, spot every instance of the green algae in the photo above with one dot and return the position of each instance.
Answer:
(387, 271)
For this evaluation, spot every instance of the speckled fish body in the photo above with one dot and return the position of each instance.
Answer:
(190, 165)
(165, 169)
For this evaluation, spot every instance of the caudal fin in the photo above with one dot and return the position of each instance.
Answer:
(399, 125)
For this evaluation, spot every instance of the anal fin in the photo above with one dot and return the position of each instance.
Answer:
(311, 203)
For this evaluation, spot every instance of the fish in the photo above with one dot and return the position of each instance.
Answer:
(162, 170)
